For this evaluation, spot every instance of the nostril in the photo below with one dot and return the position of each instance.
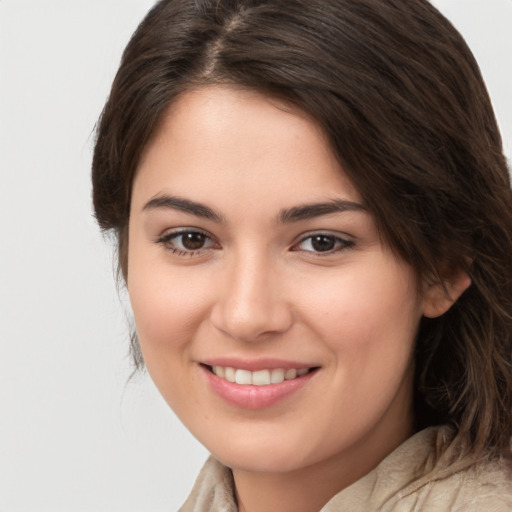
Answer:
(251, 322)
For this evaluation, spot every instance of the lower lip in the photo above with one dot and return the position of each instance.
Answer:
(254, 397)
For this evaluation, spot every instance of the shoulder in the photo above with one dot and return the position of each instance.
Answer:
(456, 483)
(431, 473)
(480, 486)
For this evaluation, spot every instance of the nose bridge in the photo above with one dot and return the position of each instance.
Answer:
(251, 300)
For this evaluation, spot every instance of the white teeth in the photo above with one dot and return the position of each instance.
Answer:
(243, 377)
(290, 374)
(260, 377)
(229, 374)
(277, 376)
(219, 371)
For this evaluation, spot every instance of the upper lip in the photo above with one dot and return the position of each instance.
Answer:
(254, 365)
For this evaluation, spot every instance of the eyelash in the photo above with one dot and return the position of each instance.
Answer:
(340, 244)
(168, 241)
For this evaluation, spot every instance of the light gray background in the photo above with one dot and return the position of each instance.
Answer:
(73, 435)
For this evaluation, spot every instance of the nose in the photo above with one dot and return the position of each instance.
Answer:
(251, 303)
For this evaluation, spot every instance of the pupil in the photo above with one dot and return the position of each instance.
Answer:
(193, 241)
(323, 243)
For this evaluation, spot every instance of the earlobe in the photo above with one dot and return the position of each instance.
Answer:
(440, 296)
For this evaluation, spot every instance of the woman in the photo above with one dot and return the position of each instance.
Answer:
(314, 220)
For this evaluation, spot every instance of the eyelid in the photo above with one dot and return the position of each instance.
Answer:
(183, 229)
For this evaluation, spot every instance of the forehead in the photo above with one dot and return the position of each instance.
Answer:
(234, 142)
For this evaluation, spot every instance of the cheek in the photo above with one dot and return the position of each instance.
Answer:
(168, 306)
(168, 312)
(369, 316)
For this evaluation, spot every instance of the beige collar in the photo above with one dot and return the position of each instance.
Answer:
(427, 472)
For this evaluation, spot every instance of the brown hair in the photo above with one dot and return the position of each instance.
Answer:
(402, 102)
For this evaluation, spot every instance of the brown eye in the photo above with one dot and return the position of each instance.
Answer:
(187, 242)
(193, 241)
(322, 243)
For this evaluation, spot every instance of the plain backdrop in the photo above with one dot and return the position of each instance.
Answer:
(74, 435)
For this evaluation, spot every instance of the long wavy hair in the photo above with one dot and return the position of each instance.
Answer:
(403, 105)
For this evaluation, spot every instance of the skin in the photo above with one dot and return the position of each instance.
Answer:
(257, 288)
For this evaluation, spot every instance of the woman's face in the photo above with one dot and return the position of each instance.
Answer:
(251, 255)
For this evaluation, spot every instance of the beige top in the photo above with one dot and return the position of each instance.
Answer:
(426, 473)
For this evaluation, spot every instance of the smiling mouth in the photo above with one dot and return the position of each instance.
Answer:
(260, 377)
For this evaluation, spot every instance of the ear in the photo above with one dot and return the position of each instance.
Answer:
(438, 297)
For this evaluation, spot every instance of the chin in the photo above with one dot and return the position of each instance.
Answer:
(266, 449)
(262, 460)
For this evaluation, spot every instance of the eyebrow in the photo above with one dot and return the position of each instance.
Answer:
(287, 215)
(310, 211)
(168, 202)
